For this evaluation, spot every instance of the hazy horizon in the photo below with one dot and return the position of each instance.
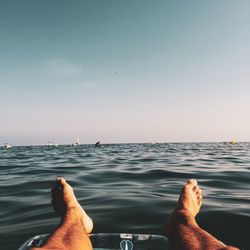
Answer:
(123, 143)
(124, 71)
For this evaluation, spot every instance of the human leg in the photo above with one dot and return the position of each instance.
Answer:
(72, 232)
(182, 229)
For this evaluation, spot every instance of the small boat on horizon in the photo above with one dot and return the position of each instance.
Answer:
(7, 145)
(77, 143)
(52, 144)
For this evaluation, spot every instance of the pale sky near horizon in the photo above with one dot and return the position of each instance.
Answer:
(124, 71)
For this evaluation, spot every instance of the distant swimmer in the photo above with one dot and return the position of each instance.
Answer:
(97, 144)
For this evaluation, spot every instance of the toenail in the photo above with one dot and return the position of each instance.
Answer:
(192, 181)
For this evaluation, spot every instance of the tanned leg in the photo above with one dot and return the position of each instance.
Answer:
(182, 230)
(75, 225)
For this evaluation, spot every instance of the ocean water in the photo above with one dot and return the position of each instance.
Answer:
(126, 187)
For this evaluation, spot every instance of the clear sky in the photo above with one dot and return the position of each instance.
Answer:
(124, 71)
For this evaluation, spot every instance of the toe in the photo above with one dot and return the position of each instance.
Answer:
(55, 191)
(61, 181)
(199, 197)
(196, 189)
(192, 182)
(191, 185)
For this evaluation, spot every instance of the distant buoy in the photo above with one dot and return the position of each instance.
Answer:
(233, 142)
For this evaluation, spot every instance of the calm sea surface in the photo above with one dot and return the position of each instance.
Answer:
(126, 187)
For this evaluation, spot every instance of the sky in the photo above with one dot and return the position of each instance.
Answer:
(123, 71)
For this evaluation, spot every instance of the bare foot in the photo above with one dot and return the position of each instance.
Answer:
(63, 199)
(190, 198)
(189, 204)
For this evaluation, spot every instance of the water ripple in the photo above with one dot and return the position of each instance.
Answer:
(113, 180)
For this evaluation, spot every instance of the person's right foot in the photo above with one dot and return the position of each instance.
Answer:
(63, 199)
(190, 198)
(189, 204)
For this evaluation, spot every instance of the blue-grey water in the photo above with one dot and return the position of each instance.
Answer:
(126, 187)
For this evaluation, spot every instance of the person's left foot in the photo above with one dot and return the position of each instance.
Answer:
(63, 199)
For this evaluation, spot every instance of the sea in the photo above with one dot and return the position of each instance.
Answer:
(129, 188)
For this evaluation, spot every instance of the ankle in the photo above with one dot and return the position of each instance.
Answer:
(184, 217)
(73, 213)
